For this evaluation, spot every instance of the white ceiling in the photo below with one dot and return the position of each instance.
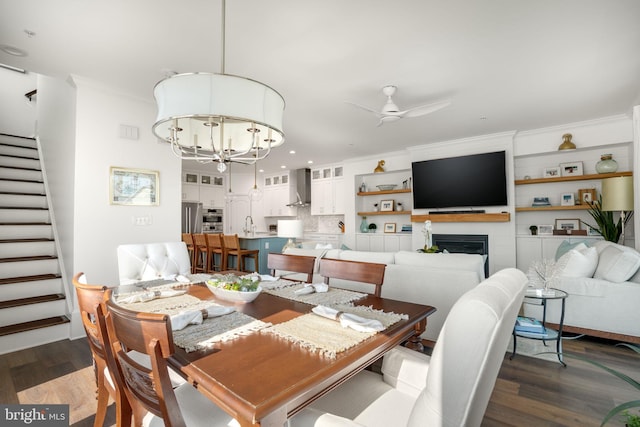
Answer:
(505, 64)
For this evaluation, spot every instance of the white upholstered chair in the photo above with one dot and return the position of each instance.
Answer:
(149, 261)
(450, 388)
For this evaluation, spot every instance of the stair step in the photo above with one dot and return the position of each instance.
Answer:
(20, 174)
(32, 325)
(25, 279)
(31, 300)
(23, 201)
(18, 141)
(33, 288)
(13, 186)
(20, 215)
(28, 258)
(18, 163)
(11, 232)
(29, 267)
(27, 248)
(18, 152)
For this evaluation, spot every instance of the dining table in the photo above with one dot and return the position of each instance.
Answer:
(261, 379)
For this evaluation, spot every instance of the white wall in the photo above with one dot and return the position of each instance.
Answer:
(99, 226)
(17, 114)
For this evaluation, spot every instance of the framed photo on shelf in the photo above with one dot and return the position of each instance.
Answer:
(389, 227)
(552, 172)
(567, 199)
(586, 195)
(545, 230)
(568, 224)
(386, 206)
(133, 187)
(571, 169)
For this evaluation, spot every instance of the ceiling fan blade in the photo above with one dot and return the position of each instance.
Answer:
(425, 109)
(377, 113)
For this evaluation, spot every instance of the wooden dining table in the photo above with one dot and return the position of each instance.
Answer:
(261, 379)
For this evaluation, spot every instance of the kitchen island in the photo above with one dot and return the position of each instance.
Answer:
(265, 243)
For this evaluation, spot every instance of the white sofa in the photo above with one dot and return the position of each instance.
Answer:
(150, 261)
(431, 279)
(603, 283)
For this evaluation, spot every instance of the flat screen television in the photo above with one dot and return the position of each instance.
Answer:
(462, 182)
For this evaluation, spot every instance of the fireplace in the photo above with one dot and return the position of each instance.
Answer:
(465, 244)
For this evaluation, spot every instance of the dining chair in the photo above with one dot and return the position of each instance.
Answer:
(187, 238)
(202, 254)
(357, 271)
(232, 248)
(89, 298)
(152, 261)
(287, 263)
(452, 387)
(153, 400)
(215, 246)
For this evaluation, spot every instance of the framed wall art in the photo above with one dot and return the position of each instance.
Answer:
(133, 187)
(568, 224)
(567, 199)
(389, 227)
(545, 230)
(586, 195)
(571, 169)
(552, 172)
(386, 205)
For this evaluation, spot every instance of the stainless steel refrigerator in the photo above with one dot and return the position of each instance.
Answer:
(191, 217)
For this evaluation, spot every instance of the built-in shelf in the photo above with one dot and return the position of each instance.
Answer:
(384, 213)
(470, 217)
(376, 193)
(572, 178)
(552, 208)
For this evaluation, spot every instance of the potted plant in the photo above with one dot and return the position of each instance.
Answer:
(534, 230)
(606, 226)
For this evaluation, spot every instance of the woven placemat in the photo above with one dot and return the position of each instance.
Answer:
(328, 337)
(331, 297)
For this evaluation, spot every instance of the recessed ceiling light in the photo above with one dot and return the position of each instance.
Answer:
(483, 118)
(283, 167)
(12, 50)
(292, 152)
(310, 162)
(261, 170)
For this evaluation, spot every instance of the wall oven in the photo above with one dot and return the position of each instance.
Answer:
(212, 221)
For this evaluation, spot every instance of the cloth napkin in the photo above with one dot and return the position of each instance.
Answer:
(195, 317)
(150, 295)
(348, 320)
(268, 278)
(310, 288)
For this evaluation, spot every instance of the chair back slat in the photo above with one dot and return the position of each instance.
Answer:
(357, 271)
(231, 241)
(293, 263)
(150, 334)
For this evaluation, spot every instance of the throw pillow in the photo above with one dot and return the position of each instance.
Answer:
(566, 246)
(617, 265)
(577, 263)
(345, 247)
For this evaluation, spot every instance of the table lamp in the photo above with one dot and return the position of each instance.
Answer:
(290, 229)
(617, 195)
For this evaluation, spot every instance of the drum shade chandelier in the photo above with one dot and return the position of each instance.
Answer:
(222, 118)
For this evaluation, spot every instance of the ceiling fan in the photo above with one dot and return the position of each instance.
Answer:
(391, 113)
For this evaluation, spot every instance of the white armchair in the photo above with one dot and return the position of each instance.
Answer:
(450, 388)
(149, 261)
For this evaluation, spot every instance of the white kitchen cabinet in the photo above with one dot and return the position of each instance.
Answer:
(203, 187)
(237, 209)
(327, 190)
(212, 196)
(190, 192)
(279, 191)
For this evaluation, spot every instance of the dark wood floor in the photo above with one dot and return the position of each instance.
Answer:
(528, 392)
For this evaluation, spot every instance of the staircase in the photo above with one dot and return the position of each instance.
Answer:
(33, 309)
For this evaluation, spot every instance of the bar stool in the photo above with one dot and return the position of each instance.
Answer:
(231, 244)
(215, 246)
(202, 254)
(187, 238)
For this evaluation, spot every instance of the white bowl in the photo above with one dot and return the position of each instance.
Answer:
(235, 296)
(385, 187)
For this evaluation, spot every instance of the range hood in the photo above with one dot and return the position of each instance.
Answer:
(303, 188)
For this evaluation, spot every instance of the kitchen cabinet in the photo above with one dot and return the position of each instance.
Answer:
(279, 191)
(237, 208)
(328, 190)
(203, 187)
(264, 245)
